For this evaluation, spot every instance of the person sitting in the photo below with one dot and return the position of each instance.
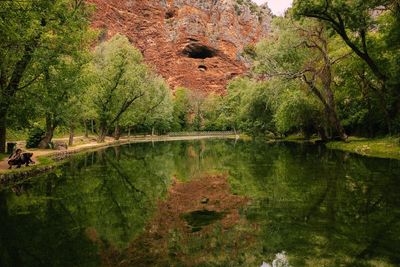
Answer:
(16, 155)
(19, 158)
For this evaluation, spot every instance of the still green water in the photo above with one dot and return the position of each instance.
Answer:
(105, 208)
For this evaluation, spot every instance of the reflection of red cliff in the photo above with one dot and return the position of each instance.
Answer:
(191, 43)
(168, 239)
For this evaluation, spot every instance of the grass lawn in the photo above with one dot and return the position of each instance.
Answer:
(388, 147)
(44, 161)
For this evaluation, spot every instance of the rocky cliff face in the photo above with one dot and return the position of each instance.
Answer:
(192, 43)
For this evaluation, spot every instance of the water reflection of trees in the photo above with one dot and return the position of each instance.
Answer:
(330, 210)
(322, 207)
(101, 191)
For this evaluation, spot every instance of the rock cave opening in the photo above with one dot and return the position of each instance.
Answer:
(199, 51)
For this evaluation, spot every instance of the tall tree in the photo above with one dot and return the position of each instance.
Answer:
(29, 30)
(117, 79)
(181, 109)
(197, 101)
(249, 106)
(57, 95)
(302, 51)
(357, 23)
(154, 110)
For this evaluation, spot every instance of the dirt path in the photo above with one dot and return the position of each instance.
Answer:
(89, 143)
(47, 152)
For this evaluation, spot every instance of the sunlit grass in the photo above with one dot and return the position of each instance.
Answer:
(44, 161)
(388, 147)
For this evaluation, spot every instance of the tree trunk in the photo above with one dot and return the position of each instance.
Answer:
(8, 91)
(3, 132)
(102, 132)
(92, 122)
(330, 98)
(117, 152)
(71, 136)
(129, 131)
(152, 131)
(50, 127)
(86, 128)
(117, 132)
(333, 118)
(44, 143)
(102, 135)
(322, 134)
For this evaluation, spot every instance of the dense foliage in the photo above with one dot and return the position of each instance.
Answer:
(50, 75)
(119, 81)
(328, 68)
(35, 37)
(35, 136)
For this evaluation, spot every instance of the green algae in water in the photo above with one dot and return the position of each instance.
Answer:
(200, 218)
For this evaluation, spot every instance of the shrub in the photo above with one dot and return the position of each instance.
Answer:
(298, 113)
(34, 137)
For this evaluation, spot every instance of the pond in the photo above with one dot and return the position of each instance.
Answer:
(206, 203)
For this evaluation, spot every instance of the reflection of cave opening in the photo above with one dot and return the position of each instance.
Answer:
(202, 68)
(198, 51)
(169, 14)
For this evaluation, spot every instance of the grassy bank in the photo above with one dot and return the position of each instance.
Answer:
(388, 147)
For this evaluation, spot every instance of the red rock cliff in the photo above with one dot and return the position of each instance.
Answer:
(192, 43)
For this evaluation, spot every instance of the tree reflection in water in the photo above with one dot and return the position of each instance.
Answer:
(118, 207)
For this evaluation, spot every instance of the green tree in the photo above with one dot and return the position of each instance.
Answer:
(118, 78)
(359, 25)
(30, 30)
(303, 52)
(231, 112)
(213, 111)
(181, 109)
(197, 106)
(299, 112)
(153, 111)
(57, 95)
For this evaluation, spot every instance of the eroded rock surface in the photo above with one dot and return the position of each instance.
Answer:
(192, 43)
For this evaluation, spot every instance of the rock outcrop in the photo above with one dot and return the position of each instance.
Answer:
(192, 43)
